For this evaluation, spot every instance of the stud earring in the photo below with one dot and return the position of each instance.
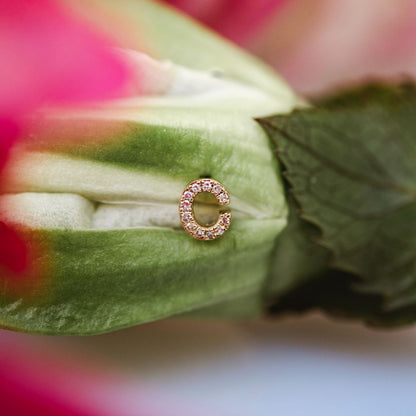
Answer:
(186, 214)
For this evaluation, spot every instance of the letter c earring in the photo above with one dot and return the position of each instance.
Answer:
(186, 214)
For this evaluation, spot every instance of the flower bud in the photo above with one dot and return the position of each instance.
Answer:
(97, 189)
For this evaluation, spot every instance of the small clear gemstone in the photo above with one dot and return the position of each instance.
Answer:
(206, 186)
(219, 231)
(187, 195)
(196, 188)
(191, 226)
(200, 234)
(185, 204)
(186, 216)
(226, 220)
(217, 188)
(223, 197)
(210, 235)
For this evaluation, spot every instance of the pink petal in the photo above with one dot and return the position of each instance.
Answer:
(13, 251)
(9, 132)
(237, 20)
(36, 382)
(49, 56)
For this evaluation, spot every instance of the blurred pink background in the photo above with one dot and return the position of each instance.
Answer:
(318, 44)
(296, 366)
(205, 368)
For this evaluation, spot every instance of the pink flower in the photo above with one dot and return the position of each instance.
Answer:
(51, 57)
(48, 57)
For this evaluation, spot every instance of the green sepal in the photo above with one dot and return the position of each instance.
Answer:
(351, 165)
(101, 281)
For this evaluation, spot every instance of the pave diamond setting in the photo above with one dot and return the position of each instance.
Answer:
(186, 215)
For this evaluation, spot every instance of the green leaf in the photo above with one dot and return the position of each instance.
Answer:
(298, 258)
(351, 164)
(333, 293)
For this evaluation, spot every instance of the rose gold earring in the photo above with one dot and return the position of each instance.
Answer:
(186, 214)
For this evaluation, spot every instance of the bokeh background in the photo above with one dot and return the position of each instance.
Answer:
(318, 45)
(292, 366)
